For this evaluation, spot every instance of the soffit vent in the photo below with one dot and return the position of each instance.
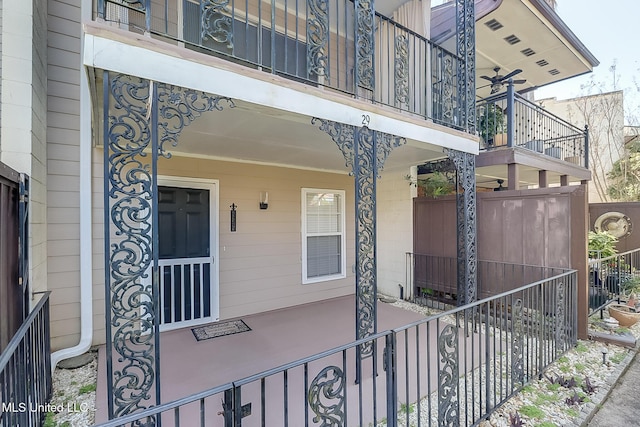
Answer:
(542, 62)
(528, 52)
(512, 39)
(554, 72)
(494, 24)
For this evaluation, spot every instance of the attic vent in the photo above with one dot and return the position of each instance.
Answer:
(542, 62)
(554, 72)
(512, 39)
(528, 52)
(493, 24)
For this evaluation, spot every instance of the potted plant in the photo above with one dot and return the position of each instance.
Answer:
(435, 185)
(491, 125)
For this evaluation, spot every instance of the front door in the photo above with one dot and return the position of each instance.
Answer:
(188, 292)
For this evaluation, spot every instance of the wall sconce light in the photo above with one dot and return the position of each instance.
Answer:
(264, 200)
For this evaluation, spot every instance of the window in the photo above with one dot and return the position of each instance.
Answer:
(323, 236)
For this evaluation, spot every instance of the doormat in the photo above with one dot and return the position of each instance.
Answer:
(219, 329)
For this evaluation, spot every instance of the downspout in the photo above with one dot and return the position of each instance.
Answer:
(86, 265)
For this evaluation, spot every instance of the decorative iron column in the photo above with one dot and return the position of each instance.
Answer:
(466, 49)
(318, 38)
(365, 152)
(465, 164)
(140, 117)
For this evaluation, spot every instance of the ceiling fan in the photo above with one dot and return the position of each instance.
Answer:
(498, 81)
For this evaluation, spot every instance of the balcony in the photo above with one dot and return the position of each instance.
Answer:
(327, 45)
(526, 145)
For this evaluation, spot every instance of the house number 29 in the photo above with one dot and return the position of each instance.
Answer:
(366, 119)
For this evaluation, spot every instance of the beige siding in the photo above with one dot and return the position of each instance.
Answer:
(395, 230)
(63, 155)
(261, 263)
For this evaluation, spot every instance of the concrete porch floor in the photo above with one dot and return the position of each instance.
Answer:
(189, 366)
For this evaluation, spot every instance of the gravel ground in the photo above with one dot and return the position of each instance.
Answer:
(74, 394)
(541, 403)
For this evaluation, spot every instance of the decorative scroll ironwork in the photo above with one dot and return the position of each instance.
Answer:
(326, 397)
(364, 44)
(318, 37)
(559, 319)
(216, 23)
(466, 225)
(448, 409)
(447, 90)
(365, 152)
(401, 67)
(466, 49)
(178, 108)
(132, 108)
(128, 202)
(517, 343)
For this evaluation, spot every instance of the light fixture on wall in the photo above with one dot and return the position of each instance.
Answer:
(264, 200)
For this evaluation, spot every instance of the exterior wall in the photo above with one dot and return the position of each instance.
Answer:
(261, 263)
(24, 115)
(395, 230)
(604, 114)
(63, 161)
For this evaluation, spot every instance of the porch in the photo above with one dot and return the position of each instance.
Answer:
(524, 145)
(452, 368)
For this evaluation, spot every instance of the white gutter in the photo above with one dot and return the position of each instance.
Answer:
(86, 266)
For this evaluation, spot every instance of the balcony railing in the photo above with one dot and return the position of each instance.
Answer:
(454, 368)
(310, 41)
(510, 120)
(433, 279)
(25, 370)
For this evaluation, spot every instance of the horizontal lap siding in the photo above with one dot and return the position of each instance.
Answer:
(63, 157)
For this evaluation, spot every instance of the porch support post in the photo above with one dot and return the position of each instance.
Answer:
(466, 225)
(364, 27)
(513, 176)
(365, 152)
(466, 49)
(140, 117)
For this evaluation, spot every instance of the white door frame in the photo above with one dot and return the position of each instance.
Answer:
(213, 186)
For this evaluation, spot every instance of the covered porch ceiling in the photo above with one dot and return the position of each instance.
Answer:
(518, 34)
(251, 133)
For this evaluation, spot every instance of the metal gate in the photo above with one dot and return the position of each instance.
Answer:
(14, 285)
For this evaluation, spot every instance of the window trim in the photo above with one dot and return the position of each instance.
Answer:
(304, 235)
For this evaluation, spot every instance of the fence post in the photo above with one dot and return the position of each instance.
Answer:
(392, 385)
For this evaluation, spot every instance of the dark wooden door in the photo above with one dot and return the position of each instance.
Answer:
(185, 256)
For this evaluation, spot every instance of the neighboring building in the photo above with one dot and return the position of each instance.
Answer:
(604, 115)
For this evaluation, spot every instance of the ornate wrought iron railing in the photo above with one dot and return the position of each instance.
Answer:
(454, 368)
(510, 120)
(336, 44)
(431, 280)
(25, 370)
(613, 278)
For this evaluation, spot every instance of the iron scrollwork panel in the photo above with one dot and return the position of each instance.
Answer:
(128, 244)
(364, 15)
(466, 225)
(216, 22)
(401, 68)
(517, 344)
(465, 30)
(365, 152)
(560, 333)
(318, 38)
(448, 407)
(140, 117)
(326, 397)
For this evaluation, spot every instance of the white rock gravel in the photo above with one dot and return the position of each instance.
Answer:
(74, 396)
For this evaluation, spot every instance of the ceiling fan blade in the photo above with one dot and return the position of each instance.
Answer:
(511, 74)
(487, 78)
